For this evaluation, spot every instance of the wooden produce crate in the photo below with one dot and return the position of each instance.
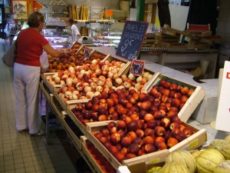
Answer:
(67, 102)
(72, 131)
(76, 46)
(191, 103)
(126, 72)
(137, 163)
(97, 161)
(50, 87)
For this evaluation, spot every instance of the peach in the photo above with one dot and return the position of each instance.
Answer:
(120, 156)
(148, 140)
(102, 117)
(121, 124)
(149, 148)
(115, 138)
(124, 150)
(105, 131)
(171, 142)
(143, 96)
(165, 122)
(126, 141)
(132, 135)
(130, 155)
(133, 148)
(149, 132)
(185, 90)
(160, 131)
(132, 125)
(134, 116)
(148, 117)
(140, 133)
(161, 146)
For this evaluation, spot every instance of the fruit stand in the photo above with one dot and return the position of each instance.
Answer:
(115, 118)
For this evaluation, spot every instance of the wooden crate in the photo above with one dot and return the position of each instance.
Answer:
(47, 84)
(193, 101)
(91, 158)
(134, 164)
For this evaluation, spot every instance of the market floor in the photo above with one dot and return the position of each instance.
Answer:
(19, 152)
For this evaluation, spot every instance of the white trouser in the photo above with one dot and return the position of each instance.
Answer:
(26, 83)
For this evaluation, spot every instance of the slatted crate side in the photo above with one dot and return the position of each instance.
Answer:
(97, 53)
(97, 168)
(192, 142)
(104, 151)
(191, 104)
(193, 101)
(58, 104)
(76, 121)
(47, 84)
(71, 133)
(76, 45)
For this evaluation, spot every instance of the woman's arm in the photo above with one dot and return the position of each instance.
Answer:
(51, 51)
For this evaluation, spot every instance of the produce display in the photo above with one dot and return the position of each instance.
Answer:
(213, 159)
(164, 101)
(143, 112)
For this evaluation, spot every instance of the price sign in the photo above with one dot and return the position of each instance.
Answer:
(137, 67)
(86, 53)
(131, 39)
(223, 111)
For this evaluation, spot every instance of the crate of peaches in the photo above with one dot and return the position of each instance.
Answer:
(175, 97)
(73, 59)
(132, 142)
(88, 80)
(130, 81)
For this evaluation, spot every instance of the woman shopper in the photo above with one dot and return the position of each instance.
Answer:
(29, 47)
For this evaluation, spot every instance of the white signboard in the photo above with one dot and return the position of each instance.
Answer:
(223, 111)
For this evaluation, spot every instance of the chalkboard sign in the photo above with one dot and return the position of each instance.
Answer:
(131, 39)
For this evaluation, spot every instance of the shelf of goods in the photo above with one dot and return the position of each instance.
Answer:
(124, 119)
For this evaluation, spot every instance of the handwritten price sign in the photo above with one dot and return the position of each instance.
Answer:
(131, 39)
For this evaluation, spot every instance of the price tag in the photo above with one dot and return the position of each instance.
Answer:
(86, 53)
(137, 67)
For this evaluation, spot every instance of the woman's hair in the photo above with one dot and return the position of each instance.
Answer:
(35, 19)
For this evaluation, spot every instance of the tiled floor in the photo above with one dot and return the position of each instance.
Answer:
(19, 152)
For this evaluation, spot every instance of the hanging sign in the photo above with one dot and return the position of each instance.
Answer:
(131, 39)
(137, 67)
(223, 111)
